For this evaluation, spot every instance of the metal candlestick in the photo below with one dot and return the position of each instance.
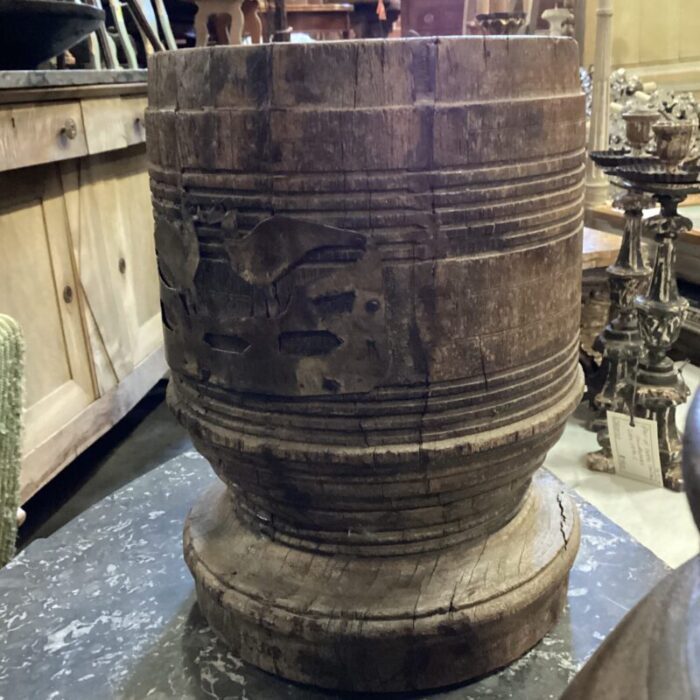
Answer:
(659, 386)
(620, 341)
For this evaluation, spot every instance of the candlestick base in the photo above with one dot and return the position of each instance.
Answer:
(601, 461)
(660, 389)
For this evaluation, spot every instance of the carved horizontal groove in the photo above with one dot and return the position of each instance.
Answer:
(383, 195)
(320, 479)
(373, 482)
(309, 343)
(232, 344)
(165, 190)
(402, 429)
(234, 183)
(379, 613)
(397, 244)
(375, 423)
(482, 236)
(542, 96)
(392, 400)
(416, 197)
(356, 486)
(507, 212)
(320, 495)
(369, 542)
(164, 176)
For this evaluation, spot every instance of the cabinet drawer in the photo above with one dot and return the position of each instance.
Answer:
(134, 115)
(42, 133)
(113, 123)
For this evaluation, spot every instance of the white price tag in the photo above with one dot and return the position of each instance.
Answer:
(635, 448)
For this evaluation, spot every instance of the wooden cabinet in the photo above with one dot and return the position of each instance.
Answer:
(78, 269)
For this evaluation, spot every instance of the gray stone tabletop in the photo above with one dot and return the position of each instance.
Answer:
(20, 79)
(105, 608)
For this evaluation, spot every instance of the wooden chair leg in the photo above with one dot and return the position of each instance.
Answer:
(219, 28)
(236, 34)
(200, 25)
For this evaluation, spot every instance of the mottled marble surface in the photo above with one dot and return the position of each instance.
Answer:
(68, 78)
(105, 608)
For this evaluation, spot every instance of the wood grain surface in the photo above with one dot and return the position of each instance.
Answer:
(370, 261)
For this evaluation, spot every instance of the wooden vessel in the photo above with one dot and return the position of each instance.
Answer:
(370, 259)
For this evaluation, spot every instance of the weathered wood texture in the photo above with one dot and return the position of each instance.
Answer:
(654, 653)
(370, 259)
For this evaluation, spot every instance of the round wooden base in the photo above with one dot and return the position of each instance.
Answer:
(383, 624)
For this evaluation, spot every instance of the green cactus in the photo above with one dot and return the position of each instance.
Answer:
(11, 392)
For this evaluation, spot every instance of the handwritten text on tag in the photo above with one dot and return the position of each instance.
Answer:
(635, 448)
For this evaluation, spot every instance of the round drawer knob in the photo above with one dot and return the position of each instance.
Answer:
(429, 18)
(122, 265)
(70, 129)
(68, 294)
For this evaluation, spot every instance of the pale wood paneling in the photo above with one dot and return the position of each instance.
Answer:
(118, 271)
(38, 288)
(28, 293)
(80, 430)
(78, 270)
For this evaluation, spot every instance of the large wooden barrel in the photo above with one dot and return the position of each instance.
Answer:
(370, 261)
